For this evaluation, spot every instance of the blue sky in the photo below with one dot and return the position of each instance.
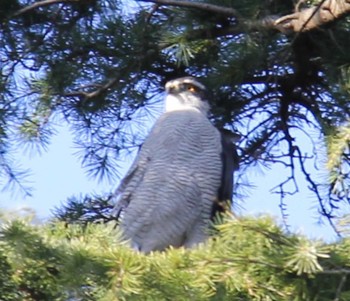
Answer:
(57, 174)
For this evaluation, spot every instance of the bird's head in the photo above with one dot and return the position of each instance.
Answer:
(186, 93)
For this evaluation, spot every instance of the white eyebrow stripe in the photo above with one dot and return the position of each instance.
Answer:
(176, 82)
(194, 82)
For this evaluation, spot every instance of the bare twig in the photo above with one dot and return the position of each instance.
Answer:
(284, 214)
(340, 287)
(96, 92)
(152, 12)
(315, 188)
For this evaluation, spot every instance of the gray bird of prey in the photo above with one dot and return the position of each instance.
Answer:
(182, 172)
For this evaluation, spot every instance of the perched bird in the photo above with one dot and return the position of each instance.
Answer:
(182, 172)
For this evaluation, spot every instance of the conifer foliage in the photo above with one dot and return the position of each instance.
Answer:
(247, 259)
(277, 70)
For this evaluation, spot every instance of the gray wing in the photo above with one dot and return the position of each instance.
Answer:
(173, 183)
(230, 163)
(130, 182)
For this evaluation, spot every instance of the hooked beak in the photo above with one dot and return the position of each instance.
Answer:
(170, 87)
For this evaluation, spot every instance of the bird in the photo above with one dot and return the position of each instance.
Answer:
(180, 177)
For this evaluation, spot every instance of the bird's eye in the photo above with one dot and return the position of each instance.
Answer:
(191, 88)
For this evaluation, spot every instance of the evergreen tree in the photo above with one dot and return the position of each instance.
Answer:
(277, 70)
(247, 259)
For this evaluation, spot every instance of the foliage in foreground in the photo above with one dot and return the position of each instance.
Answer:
(249, 259)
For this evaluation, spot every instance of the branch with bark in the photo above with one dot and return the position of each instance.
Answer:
(302, 20)
(307, 19)
(314, 17)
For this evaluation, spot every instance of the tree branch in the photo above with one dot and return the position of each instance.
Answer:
(307, 19)
(315, 16)
(40, 4)
(227, 11)
(95, 93)
(340, 287)
(343, 271)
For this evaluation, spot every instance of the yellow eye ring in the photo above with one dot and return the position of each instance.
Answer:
(191, 89)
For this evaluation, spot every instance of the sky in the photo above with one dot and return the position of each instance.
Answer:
(57, 174)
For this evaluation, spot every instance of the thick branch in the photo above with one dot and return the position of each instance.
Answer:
(313, 17)
(310, 18)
